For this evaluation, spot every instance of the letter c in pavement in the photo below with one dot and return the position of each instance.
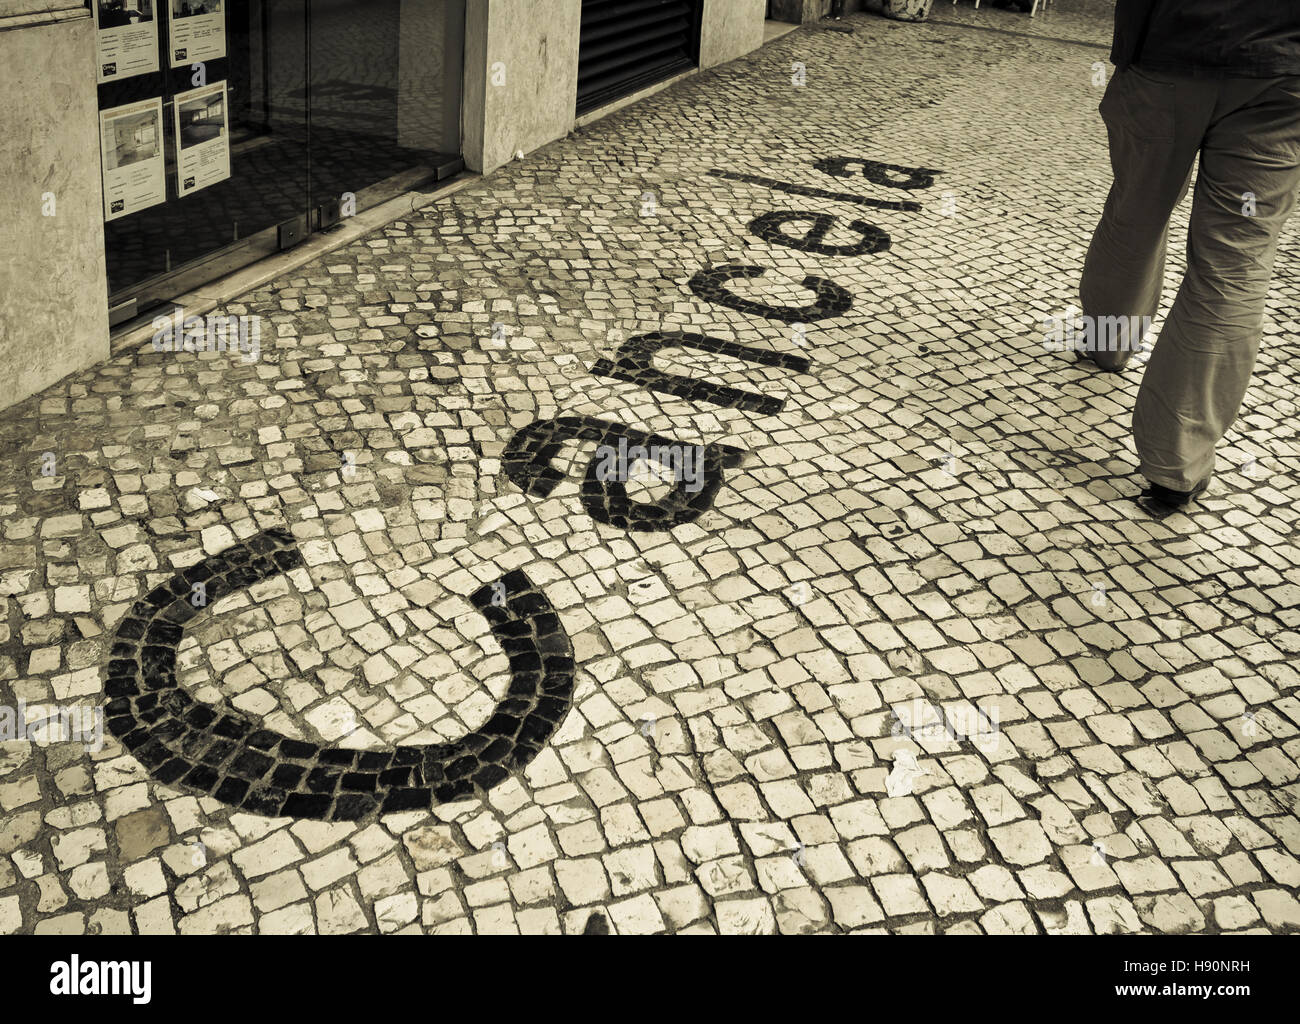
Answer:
(213, 749)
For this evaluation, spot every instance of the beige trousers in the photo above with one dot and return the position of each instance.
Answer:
(1247, 132)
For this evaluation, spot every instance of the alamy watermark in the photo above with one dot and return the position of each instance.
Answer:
(684, 462)
(923, 721)
(1074, 332)
(210, 333)
(77, 977)
(45, 724)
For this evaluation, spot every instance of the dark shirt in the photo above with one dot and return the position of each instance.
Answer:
(1219, 38)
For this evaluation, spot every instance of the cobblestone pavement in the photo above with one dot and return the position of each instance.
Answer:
(897, 652)
(1082, 21)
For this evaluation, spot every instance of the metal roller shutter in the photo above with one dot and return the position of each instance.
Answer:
(626, 45)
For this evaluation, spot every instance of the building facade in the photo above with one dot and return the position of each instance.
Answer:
(156, 146)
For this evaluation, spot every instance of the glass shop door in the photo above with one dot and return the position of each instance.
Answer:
(278, 118)
(383, 99)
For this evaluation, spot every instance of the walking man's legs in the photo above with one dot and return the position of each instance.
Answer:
(1155, 130)
(1245, 191)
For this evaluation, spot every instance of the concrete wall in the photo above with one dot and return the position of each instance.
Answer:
(53, 287)
(521, 77)
(801, 12)
(521, 68)
(730, 29)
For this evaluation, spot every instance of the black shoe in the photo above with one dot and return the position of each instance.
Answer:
(1117, 360)
(1162, 501)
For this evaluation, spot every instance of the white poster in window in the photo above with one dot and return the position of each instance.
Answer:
(131, 150)
(202, 138)
(126, 39)
(198, 31)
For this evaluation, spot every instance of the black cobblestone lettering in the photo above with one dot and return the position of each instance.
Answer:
(221, 754)
(768, 227)
(634, 358)
(527, 459)
(710, 285)
(878, 173)
(818, 193)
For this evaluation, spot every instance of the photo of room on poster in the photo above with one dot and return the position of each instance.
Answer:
(126, 39)
(131, 150)
(202, 138)
(198, 30)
